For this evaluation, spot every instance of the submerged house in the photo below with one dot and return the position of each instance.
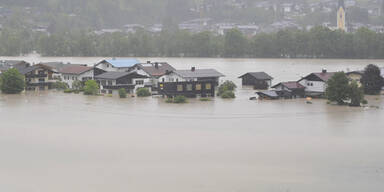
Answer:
(154, 71)
(38, 77)
(355, 76)
(71, 73)
(121, 65)
(111, 82)
(259, 80)
(190, 83)
(316, 83)
(294, 88)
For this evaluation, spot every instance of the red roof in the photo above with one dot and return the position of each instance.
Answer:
(75, 69)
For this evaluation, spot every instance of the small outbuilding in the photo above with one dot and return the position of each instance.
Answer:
(259, 80)
(295, 88)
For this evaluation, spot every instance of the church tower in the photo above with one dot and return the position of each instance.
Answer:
(341, 16)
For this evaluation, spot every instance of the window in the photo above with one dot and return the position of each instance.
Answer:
(109, 91)
(73, 78)
(170, 79)
(103, 82)
(198, 87)
(41, 80)
(189, 87)
(109, 82)
(139, 82)
(208, 86)
(179, 88)
(310, 84)
(163, 80)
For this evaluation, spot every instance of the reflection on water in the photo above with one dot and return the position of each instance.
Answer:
(51, 141)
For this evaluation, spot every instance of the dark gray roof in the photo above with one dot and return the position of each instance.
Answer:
(198, 73)
(8, 64)
(34, 67)
(258, 75)
(112, 75)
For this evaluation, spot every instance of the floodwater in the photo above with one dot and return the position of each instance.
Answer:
(56, 142)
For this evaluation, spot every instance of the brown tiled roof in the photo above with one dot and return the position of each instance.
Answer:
(75, 69)
(324, 76)
(154, 71)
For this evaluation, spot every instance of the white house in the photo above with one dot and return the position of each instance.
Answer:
(71, 73)
(111, 82)
(316, 83)
(153, 71)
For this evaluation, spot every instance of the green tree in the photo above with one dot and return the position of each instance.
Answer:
(372, 81)
(356, 94)
(12, 82)
(91, 88)
(235, 44)
(338, 88)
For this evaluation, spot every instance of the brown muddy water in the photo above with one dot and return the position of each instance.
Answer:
(56, 142)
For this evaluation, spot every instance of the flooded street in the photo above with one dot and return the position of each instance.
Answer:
(56, 142)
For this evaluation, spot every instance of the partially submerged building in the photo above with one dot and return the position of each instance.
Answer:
(259, 80)
(71, 73)
(294, 88)
(190, 83)
(111, 82)
(38, 77)
(316, 83)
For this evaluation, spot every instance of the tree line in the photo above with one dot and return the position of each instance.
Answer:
(319, 42)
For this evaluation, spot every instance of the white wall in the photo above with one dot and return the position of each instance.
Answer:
(318, 86)
(73, 77)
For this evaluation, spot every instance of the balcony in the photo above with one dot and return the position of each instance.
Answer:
(36, 76)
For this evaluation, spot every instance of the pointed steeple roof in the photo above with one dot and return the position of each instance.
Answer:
(341, 4)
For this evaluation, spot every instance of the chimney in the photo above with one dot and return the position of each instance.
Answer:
(157, 65)
(193, 69)
(324, 71)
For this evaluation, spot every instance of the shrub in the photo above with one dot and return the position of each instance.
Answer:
(177, 99)
(77, 85)
(226, 86)
(143, 92)
(205, 99)
(180, 99)
(68, 91)
(122, 93)
(364, 102)
(60, 85)
(91, 88)
(228, 95)
(12, 82)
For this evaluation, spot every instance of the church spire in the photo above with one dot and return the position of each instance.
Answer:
(341, 16)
